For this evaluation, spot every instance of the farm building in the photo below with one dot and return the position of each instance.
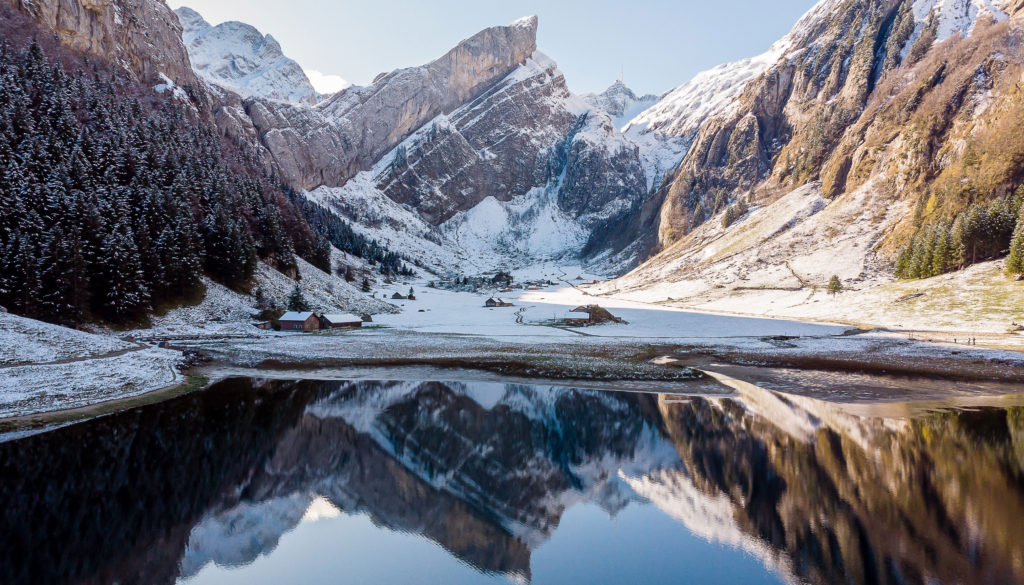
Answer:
(595, 314)
(399, 297)
(294, 321)
(340, 321)
(495, 302)
(575, 318)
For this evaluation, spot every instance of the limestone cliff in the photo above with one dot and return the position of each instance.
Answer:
(143, 36)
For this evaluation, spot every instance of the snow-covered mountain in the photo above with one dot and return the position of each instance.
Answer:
(619, 102)
(524, 171)
(822, 139)
(237, 57)
(482, 155)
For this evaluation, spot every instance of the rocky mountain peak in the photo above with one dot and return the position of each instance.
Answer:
(238, 57)
(349, 132)
(620, 102)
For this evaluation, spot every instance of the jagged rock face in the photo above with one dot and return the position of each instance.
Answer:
(497, 146)
(527, 132)
(348, 133)
(143, 36)
(788, 122)
(239, 58)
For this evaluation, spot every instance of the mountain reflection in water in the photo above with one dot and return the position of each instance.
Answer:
(803, 489)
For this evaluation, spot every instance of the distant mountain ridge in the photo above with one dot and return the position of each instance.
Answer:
(237, 57)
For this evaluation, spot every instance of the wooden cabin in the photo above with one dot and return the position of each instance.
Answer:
(496, 302)
(294, 321)
(340, 321)
(576, 318)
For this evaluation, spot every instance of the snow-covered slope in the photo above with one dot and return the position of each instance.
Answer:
(27, 340)
(665, 130)
(957, 16)
(682, 111)
(237, 57)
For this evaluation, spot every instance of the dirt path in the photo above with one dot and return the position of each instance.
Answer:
(112, 354)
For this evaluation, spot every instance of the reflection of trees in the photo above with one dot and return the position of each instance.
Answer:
(938, 498)
(114, 500)
(836, 499)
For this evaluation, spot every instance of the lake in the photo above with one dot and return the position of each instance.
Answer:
(269, 481)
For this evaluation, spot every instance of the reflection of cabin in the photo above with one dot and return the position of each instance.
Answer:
(340, 321)
(493, 302)
(294, 321)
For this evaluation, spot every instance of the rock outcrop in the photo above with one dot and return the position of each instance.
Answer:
(349, 132)
(803, 118)
(143, 36)
(524, 133)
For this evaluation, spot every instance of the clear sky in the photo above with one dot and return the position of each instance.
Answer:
(659, 44)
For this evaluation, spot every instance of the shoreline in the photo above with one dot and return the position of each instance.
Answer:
(40, 422)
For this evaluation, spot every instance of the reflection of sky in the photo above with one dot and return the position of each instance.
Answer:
(639, 545)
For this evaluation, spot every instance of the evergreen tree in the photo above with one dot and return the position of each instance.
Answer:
(835, 286)
(122, 295)
(1015, 261)
(366, 285)
(297, 301)
(112, 203)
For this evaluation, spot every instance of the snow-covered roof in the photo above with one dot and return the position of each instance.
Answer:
(295, 316)
(343, 318)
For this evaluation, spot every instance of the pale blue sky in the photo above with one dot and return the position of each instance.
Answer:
(659, 43)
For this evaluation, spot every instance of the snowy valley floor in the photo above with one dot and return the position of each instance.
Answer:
(451, 335)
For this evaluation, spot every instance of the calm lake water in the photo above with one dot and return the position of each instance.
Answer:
(428, 482)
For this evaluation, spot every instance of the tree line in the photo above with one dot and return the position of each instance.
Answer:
(112, 208)
(982, 232)
(343, 237)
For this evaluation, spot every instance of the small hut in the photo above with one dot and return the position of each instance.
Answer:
(575, 318)
(296, 321)
(340, 321)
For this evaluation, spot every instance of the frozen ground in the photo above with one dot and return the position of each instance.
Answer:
(454, 330)
(777, 260)
(44, 367)
(24, 341)
(44, 388)
(224, 312)
(440, 311)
